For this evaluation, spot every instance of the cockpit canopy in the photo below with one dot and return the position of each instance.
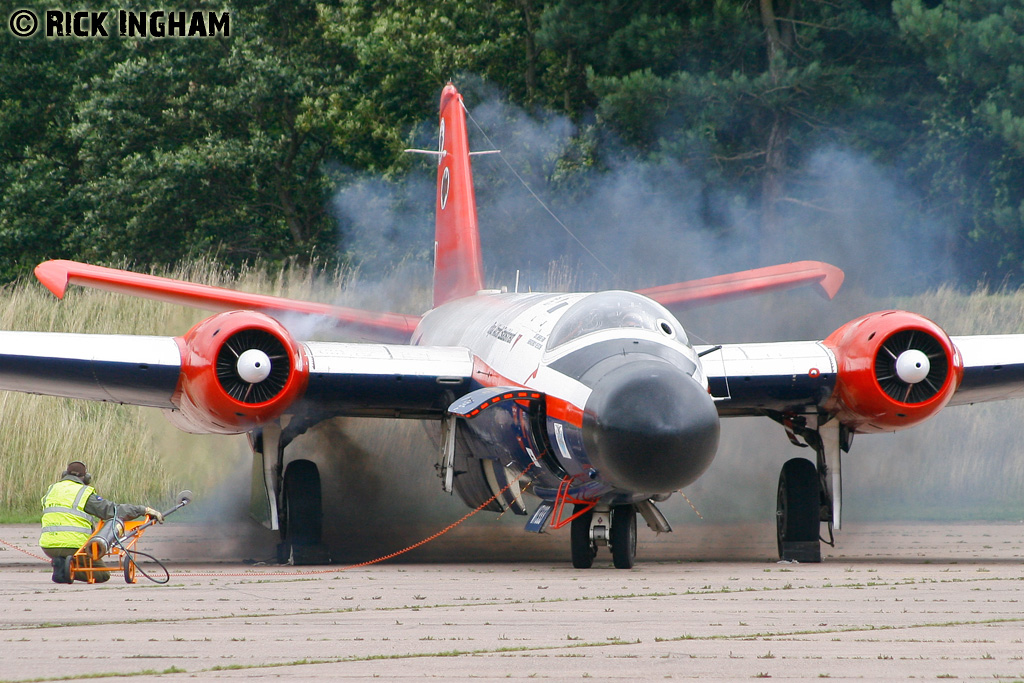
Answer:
(614, 310)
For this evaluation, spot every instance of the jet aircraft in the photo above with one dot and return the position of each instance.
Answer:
(598, 400)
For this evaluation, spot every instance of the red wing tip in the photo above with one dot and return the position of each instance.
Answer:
(54, 276)
(833, 279)
(829, 277)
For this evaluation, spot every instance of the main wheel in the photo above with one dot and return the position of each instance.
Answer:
(623, 536)
(301, 513)
(798, 512)
(583, 547)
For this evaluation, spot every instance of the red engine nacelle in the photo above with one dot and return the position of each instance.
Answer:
(227, 385)
(895, 370)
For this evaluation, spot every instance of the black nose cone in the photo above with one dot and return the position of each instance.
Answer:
(648, 427)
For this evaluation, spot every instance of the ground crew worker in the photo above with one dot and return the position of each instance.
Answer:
(68, 508)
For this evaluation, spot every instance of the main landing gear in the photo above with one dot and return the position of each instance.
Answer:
(613, 526)
(287, 498)
(810, 493)
(301, 516)
(798, 512)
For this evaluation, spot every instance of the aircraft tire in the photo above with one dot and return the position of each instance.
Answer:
(623, 536)
(798, 512)
(583, 547)
(302, 511)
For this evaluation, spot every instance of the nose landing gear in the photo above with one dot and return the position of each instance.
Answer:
(613, 526)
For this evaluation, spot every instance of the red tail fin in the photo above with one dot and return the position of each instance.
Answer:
(458, 266)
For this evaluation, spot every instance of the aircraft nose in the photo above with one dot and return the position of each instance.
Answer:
(648, 427)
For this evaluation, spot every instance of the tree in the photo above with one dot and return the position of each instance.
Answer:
(744, 93)
(155, 149)
(38, 160)
(208, 145)
(971, 162)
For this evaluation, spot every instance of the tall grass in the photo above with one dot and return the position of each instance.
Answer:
(968, 462)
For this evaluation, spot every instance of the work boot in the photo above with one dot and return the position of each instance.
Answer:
(61, 569)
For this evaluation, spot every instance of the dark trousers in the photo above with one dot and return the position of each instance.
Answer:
(60, 560)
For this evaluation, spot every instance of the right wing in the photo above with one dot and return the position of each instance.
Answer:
(993, 368)
(770, 377)
(802, 377)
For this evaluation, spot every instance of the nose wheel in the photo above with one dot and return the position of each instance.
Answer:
(584, 549)
(623, 538)
(591, 529)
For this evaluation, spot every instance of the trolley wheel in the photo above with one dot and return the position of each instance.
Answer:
(78, 563)
(129, 569)
(63, 570)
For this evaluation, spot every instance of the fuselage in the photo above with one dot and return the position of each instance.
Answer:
(627, 410)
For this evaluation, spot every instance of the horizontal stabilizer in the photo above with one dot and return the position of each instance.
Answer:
(368, 325)
(720, 288)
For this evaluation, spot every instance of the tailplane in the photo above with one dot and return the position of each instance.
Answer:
(458, 265)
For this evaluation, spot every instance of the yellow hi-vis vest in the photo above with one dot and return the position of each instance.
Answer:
(65, 523)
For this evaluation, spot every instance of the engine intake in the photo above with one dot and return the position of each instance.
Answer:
(239, 370)
(895, 370)
(253, 366)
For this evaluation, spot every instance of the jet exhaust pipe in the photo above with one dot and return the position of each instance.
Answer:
(648, 427)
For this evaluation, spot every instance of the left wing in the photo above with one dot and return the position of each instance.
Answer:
(199, 378)
(136, 370)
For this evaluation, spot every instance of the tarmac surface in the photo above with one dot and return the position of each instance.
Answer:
(892, 602)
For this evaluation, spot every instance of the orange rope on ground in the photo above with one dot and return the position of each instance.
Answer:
(22, 550)
(692, 506)
(393, 555)
(351, 566)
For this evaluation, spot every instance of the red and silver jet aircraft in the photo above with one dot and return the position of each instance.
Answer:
(598, 400)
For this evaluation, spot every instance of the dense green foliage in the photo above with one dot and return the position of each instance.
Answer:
(152, 151)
